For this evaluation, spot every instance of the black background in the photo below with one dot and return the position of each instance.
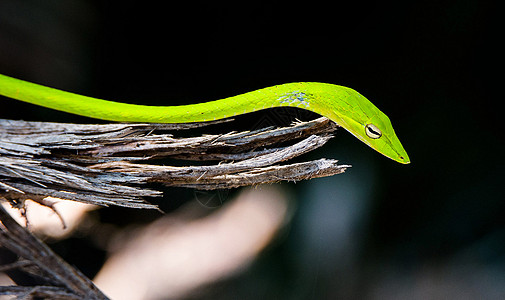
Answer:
(432, 66)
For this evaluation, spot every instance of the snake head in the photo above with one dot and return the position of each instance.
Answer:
(359, 116)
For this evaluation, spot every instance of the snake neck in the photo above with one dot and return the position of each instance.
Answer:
(306, 95)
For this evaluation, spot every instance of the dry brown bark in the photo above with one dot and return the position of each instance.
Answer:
(113, 164)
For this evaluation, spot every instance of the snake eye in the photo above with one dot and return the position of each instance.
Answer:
(372, 131)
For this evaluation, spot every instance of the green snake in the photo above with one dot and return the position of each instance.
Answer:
(346, 107)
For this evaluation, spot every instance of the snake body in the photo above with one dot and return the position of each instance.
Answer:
(343, 105)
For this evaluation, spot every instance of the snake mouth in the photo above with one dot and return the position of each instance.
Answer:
(404, 160)
(401, 155)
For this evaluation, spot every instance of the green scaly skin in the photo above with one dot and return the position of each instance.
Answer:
(342, 105)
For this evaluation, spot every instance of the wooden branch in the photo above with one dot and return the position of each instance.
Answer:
(113, 164)
(107, 164)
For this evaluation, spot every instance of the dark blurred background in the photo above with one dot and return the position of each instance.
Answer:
(431, 229)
